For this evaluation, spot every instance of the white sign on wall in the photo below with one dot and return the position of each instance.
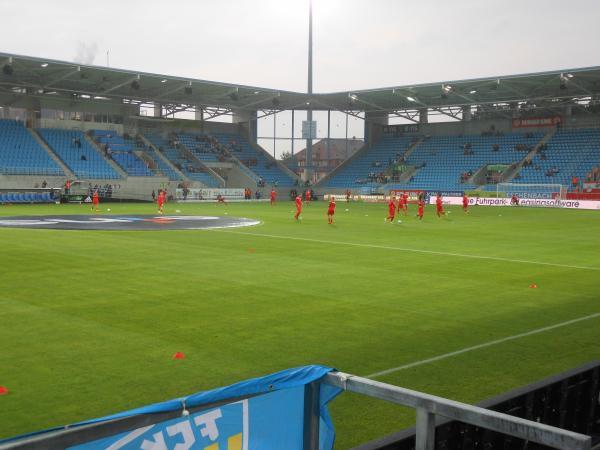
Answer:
(309, 129)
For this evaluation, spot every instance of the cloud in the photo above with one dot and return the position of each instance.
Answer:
(86, 53)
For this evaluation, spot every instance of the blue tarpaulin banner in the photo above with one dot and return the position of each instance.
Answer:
(267, 413)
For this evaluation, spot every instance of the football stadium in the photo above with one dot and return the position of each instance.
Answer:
(211, 248)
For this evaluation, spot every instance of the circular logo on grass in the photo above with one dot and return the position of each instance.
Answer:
(125, 222)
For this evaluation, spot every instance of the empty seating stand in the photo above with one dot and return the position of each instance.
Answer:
(77, 153)
(21, 154)
(445, 159)
(439, 160)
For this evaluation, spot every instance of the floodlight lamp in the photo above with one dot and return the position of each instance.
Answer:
(411, 99)
(44, 65)
(163, 80)
(474, 91)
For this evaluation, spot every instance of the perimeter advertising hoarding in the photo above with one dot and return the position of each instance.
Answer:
(534, 202)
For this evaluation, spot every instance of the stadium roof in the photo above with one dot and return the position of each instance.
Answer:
(42, 76)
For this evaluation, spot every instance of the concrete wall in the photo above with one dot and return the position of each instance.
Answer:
(139, 188)
(81, 126)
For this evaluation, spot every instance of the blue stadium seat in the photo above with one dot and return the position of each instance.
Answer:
(20, 153)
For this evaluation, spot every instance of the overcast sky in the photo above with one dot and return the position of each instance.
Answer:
(357, 43)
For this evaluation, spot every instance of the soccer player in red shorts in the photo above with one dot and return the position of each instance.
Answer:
(95, 201)
(160, 200)
(391, 209)
(400, 203)
(307, 196)
(465, 203)
(421, 205)
(331, 211)
(273, 196)
(439, 205)
(405, 203)
(298, 207)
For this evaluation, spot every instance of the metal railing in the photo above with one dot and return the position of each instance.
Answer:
(430, 406)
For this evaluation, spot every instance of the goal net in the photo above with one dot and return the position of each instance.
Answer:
(531, 191)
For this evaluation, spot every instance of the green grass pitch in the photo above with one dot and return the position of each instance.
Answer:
(89, 321)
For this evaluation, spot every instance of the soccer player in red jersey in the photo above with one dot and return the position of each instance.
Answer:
(273, 196)
(307, 196)
(405, 203)
(95, 201)
(331, 211)
(421, 205)
(160, 200)
(465, 203)
(400, 203)
(298, 207)
(439, 205)
(391, 209)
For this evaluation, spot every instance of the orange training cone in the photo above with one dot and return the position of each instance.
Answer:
(178, 355)
(533, 286)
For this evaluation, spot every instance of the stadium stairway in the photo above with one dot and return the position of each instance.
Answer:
(68, 173)
(280, 165)
(165, 165)
(191, 168)
(358, 167)
(123, 152)
(266, 167)
(217, 180)
(323, 181)
(509, 177)
(108, 160)
(572, 152)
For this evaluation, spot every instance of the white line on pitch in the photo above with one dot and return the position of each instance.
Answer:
(413, 250)
(484, 345)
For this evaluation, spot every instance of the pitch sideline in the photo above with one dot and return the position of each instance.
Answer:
(413, 250)
(479, 346)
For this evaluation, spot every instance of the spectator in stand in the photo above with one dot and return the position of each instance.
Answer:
(575, 181)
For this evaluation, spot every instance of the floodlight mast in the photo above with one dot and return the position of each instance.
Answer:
(308, 164)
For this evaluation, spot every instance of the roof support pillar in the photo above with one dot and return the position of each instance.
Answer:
(423, 115)
(466, 113)
(374, 122)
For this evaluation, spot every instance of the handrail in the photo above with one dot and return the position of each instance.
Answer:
(428, 406)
